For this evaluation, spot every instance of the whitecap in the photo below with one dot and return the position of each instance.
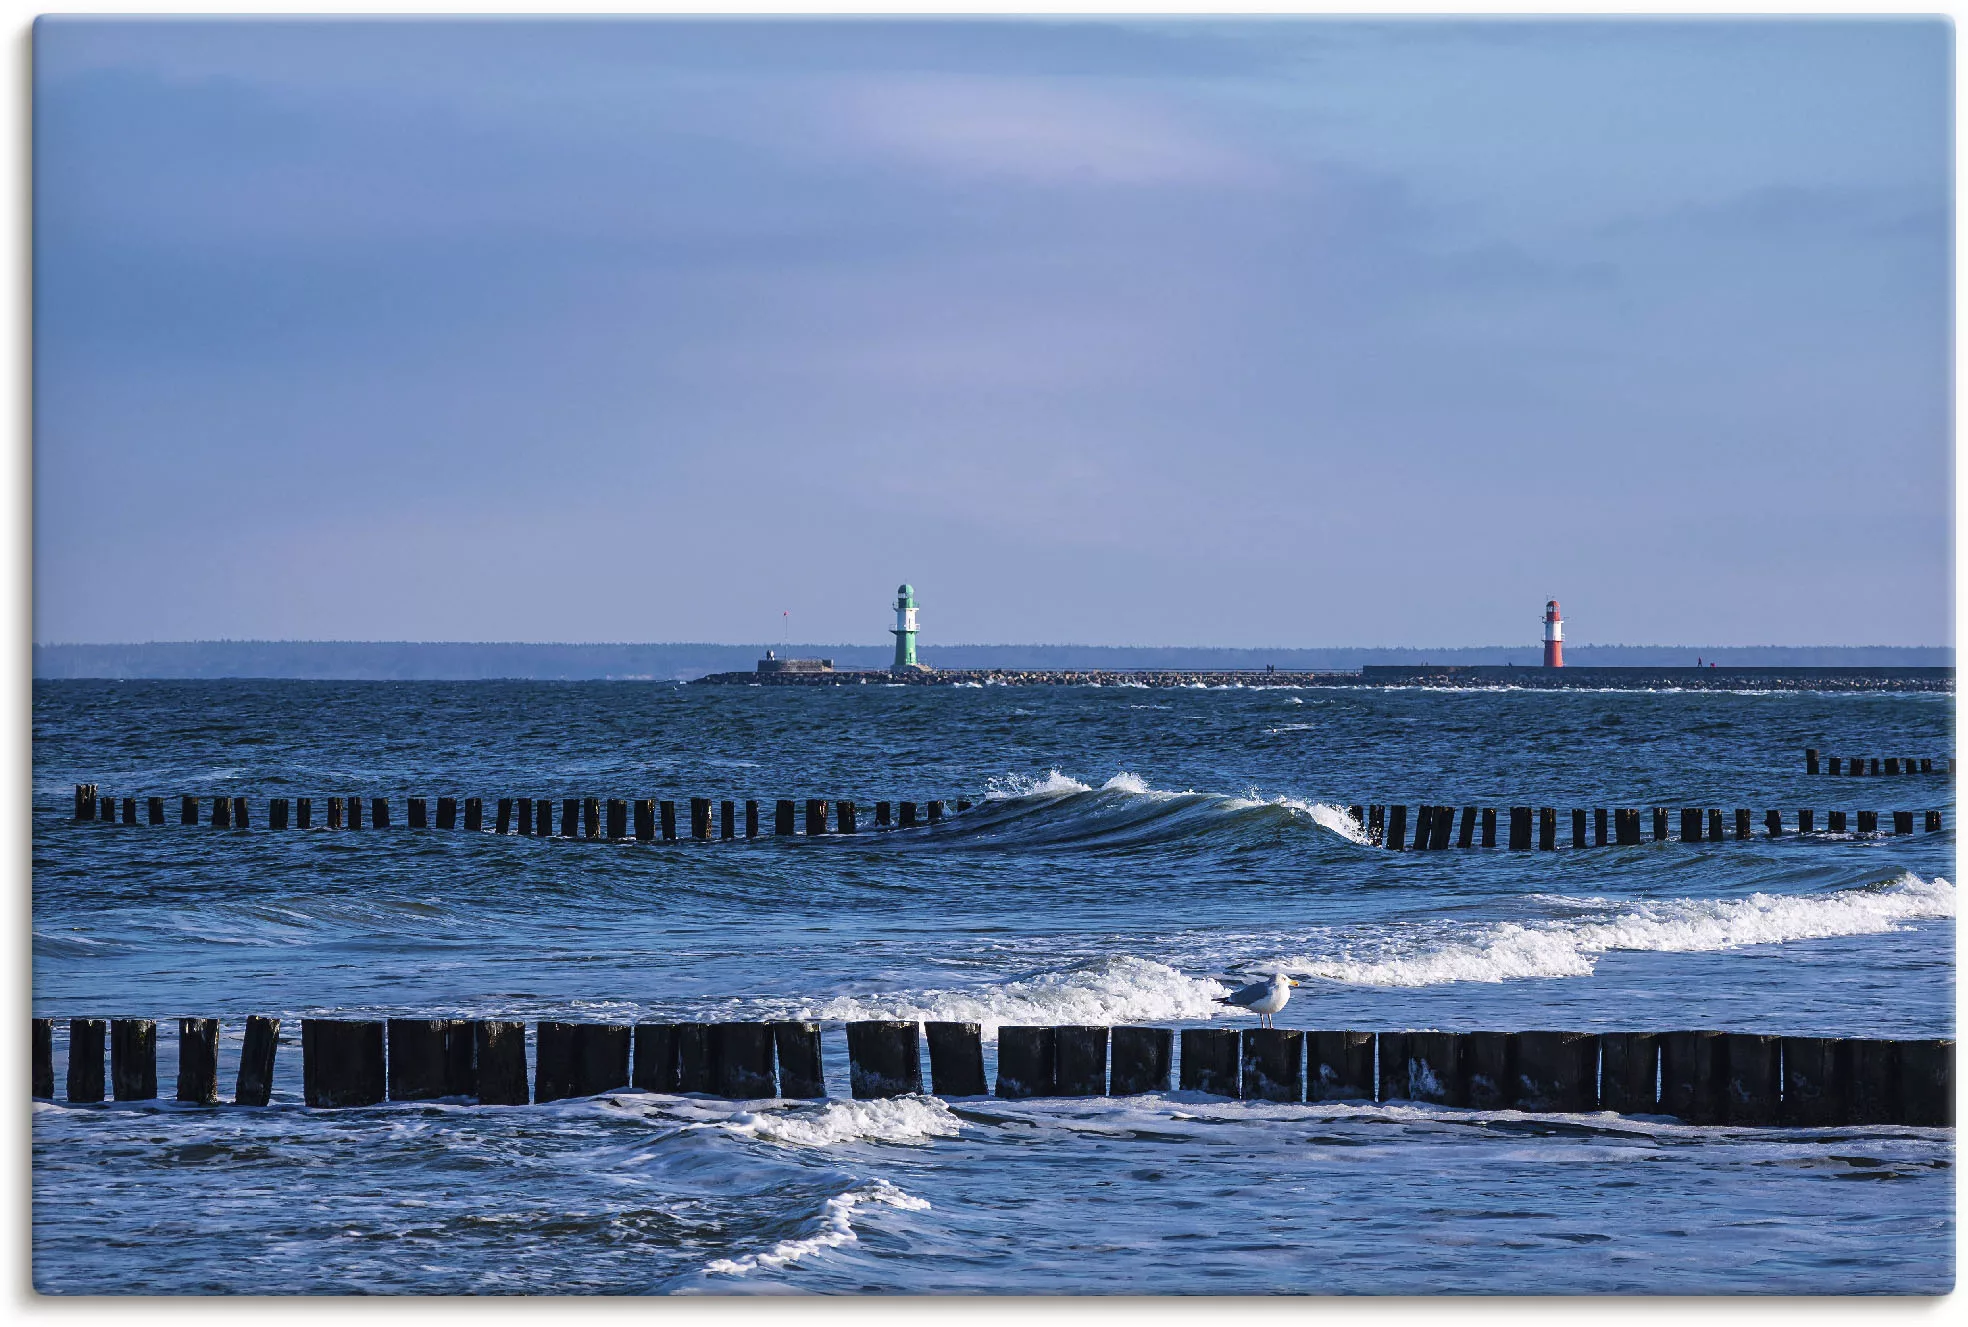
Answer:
(834, 1228)
(1117, 989)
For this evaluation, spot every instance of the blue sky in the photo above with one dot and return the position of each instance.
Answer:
(1305, 333)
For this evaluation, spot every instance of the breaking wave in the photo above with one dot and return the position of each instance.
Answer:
(1125, 811)
(893, 1120)
(833, 1228)
(1511, 951)
(1118, 989)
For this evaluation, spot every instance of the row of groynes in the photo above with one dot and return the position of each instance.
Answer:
(1438, 826)
(1874, 765)
(1699, 1077)
(579, 817)
(596, 818)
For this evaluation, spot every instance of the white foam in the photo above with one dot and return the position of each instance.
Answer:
(894, 1120)
(1510, 951)
(1054, 784)
(835, 1228)
(1118, 989)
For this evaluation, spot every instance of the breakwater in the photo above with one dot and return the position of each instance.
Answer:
(1379, 675)
(1698, 1076)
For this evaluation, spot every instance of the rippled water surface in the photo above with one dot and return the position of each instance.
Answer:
(1130, 852)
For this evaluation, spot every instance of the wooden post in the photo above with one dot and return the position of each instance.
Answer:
(447, 813)
(1273, 1067)
(1520, 828)
(1627, 1063)
(1027, 1062)
(526, 817)
(1391, 1053)
(963, 804)
(1376, 825)
(1805, 821)
(654, 1068)
(1694, 1072)
(276, 812)
(693, 1042)
(1892, 764)
(1466, 836)
(884, 1058)
(1444, 822)
(222, 812)
(783, 817)
(553, 1060)
(1489, 827)
(416, 1059)
(1599, 827)
(503, 824)
(645, 819)
(1837, 819)
(935, 812)
(43, 1086)
(1926, 765)
(1872, 1085)
(1742, 823)
(1814, 1073)
(883, 819)
(303, 812)
(85, 801)
(1547, 828)
(1339, 1066)
(1933, 823)
(908, 813)
(1579, 839)
(741, 1061)
(499, 1059)
(1424, 826)
(1836, 765)
(187, 810)
(727, 829)
(1927, 1083)
(1487, 1062)
(1715, 834)
(240, 820)
(816, 816)
(618, 818)
(1209, 1061)
(956, 1059)
(474, 815)
(1752, 1093)
(85, 1059)
(341, 1062)
(461, 1057)
(1810, 760)
(667, 814)
(379, 813)
(700, 818)
(1868, 822)
(1903, 822)
(133, 1058)
(129, 810)
(1079, 1061)
(106, 808)
(1557, 1071)
(353, 807)
(1143, 1057)
(1397, 830)
(1660, 824)
(801, 1075)
(1691, 825)
(591, 817)
(570, 817)
(1434, 1068)
(601, 1058)
(198, 1060)
(844, 815)
(751, 819)
(254, 1086)
(1773, 824)
(1875, 765)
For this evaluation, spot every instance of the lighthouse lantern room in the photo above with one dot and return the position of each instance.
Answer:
(1554, 636)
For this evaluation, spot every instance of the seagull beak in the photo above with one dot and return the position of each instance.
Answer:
(1289, 981)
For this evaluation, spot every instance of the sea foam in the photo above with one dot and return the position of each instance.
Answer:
(1117, 989)
(834, 1228)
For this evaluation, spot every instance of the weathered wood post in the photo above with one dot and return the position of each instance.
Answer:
(240, 818)
(1520, 828)
(1444, 822)
(741, 1061)
(1773, 824)
(222, 812)
(416, 1059)
(1424, 826)
(1557, 1071)
(751, 819)
(1837, 819)
(1927, 1083)
(475, 815)
(499, 1060)
(553, 1060)
(1694, 1074)
(1742, 823)
(187, 810)
(1273, 1065)
(956, 1059)
(1489, 827)
(783, 817)
(1691, 825)
(1892, 764)
(1753, 1083)
(1547, 828)
(526, 817)
(1810, 760)
(1339, 1066)
(1715, 834)
(884, 1058)
(1466, 835)
(276, 812)
(1209, 1061)
(1079, 1061)
(591, 817)
(1027, 1058)
(1579, 838)
(570, 817)
(1376, 825)
(1434, 1068)
(85, 801)
(844, 816)
(353, 807)
(601, 1058)
(693, 1043)
(883, 816)
(645, 819)
(666, 814)
(935, 812)
(1599, 827)
(461, 1057)
(85, 1059)
(1660, 824)
(1837, 764)
(1872, 1084)
(303, 812)
(1926, 765)
(154, 809)
(816, 816)
(341, 1062)
(700, 818)
(1805, 821)
(198, 1060)
(1875, 765)
(133, 1058)
(797, 1044)
(1143, 1058)
(447, 813)
(1868, 822)
(1397, 831)
(618, 818)
(254, 1086)
(1903, 822)
(1933, 822)
(503, 823)
(129, 810)
(43, 1086)
(1487, 1064)
(727, 815)
(908, 814)
(379, 813)
(654, 1064)
(1627, 1063)
(1391, 1054)
(1814, 1073)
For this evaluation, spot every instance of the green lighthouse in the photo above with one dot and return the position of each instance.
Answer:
(905, 628)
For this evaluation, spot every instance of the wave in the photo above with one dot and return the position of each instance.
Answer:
(894, 1120)
(835, 1227)
(1116, 989)
(1511, 951)
(1056, 808)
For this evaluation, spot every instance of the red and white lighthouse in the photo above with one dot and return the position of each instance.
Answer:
(1554, 635)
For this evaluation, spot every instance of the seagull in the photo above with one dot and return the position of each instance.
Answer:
(1263, 998)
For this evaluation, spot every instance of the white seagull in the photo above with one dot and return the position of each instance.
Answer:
(1263, 998)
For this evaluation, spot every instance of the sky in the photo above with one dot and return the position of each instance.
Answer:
(1265, 334)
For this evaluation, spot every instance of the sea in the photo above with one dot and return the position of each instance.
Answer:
(1130, 856)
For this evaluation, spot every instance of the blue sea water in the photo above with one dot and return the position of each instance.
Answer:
(1131, 852)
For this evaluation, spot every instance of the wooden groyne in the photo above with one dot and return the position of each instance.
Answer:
(1438, 827)
(1877, 766)
(1487, 676)
(1697, 1076)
